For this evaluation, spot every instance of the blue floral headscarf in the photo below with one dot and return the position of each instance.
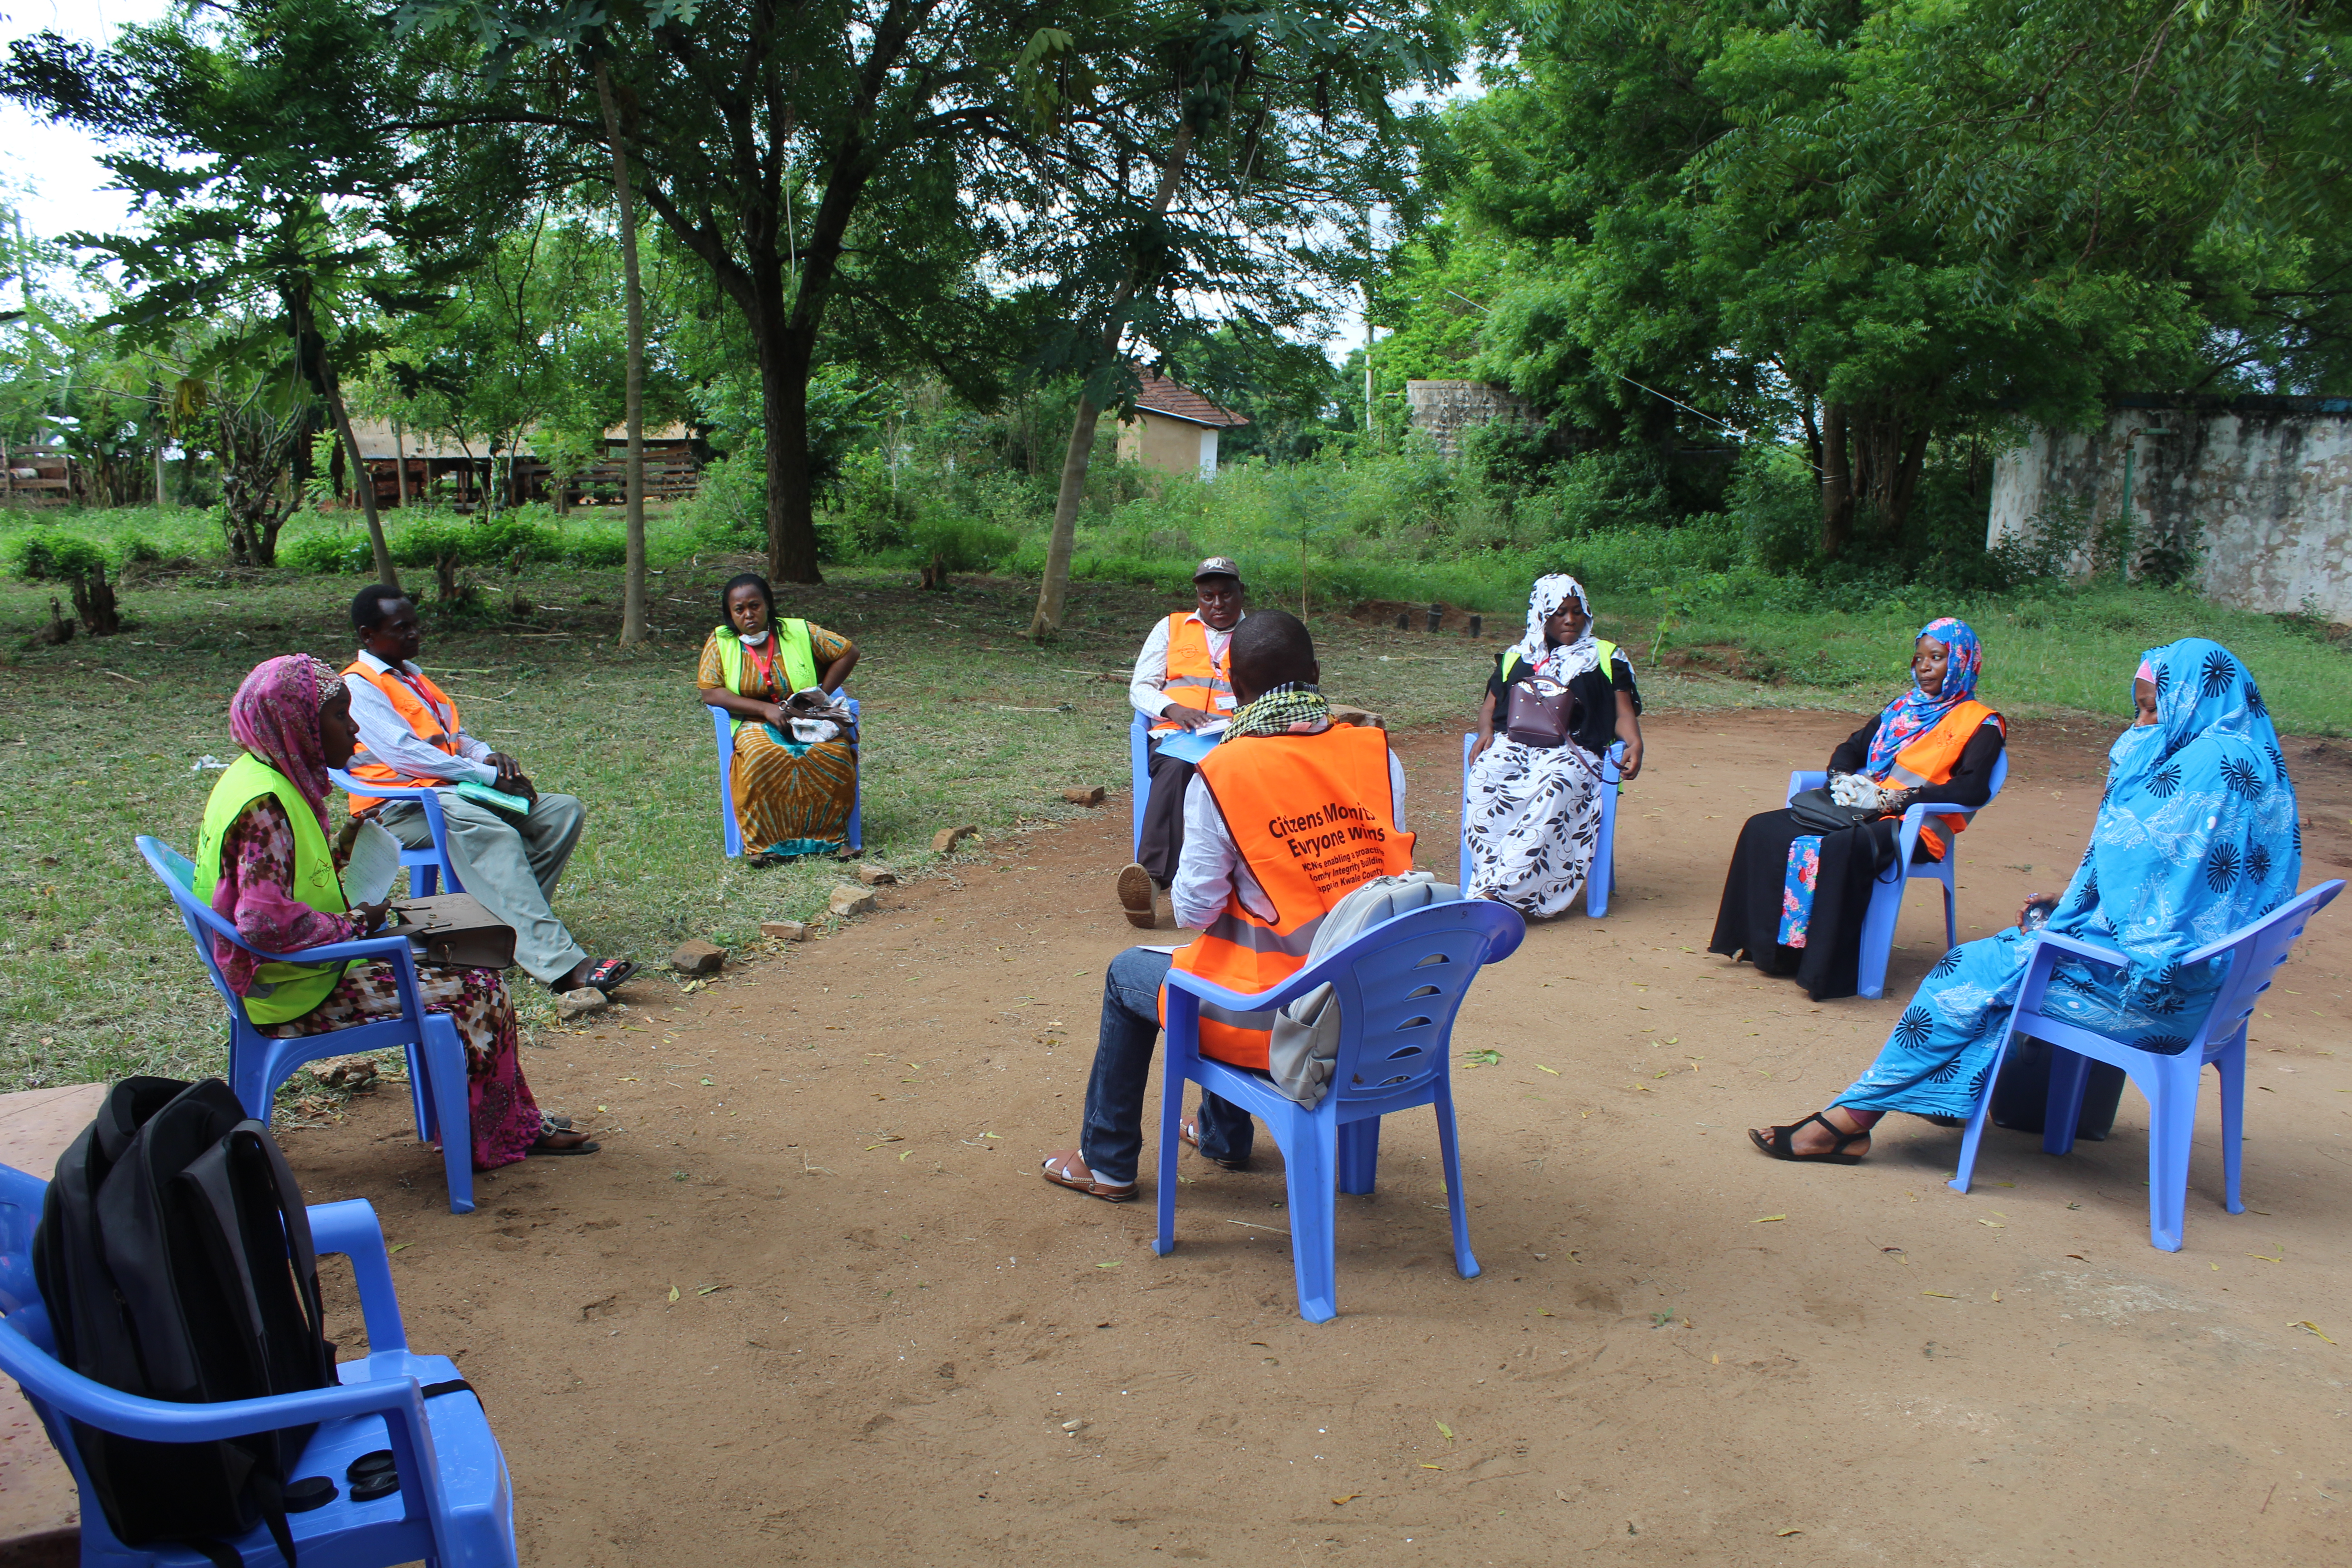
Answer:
(2196, 835)
(1915, 712)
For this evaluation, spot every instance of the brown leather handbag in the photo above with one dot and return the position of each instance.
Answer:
(1540, 713)
(455, 930)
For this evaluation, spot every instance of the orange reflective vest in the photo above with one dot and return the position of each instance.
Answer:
(1929, 760)
(429, 712)
(1314, 818)
(1195, 678)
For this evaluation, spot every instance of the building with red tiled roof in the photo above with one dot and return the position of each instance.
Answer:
(1174, 428)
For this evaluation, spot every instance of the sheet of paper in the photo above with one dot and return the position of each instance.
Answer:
(1191, 745)
(375, 862)
(1148, 949)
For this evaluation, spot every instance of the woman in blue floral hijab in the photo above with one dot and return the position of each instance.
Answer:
(2196, 837)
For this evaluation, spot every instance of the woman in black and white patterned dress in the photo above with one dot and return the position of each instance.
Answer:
(1533, 812)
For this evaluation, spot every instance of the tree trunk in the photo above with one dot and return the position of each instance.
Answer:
(783, 393)
(332, 385)
(1837, 482)
(633, 594)
(1053, 593)
(400, 467)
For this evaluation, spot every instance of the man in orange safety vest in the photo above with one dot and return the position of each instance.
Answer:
(1181, 684)
(1285, 815)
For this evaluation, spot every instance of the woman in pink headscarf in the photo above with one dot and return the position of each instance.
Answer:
(293, 716)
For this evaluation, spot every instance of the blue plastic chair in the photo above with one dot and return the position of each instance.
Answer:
(2170, 1082)
(1886, 897)
(1398, 986)
(1139, 763)
(426, 867)
(455, 1507)
(258, 1063)
(1602, 875)
(853, 834)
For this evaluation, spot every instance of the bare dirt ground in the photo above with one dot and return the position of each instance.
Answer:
(812, 1302)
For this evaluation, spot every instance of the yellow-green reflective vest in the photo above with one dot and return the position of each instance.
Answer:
(792, 642)
(281, 992)
(1609, 652)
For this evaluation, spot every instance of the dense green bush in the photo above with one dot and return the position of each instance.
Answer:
(44, 557)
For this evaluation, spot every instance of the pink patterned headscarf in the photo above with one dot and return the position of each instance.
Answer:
(275, 715)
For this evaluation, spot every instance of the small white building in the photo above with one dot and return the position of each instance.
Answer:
(1174, 429)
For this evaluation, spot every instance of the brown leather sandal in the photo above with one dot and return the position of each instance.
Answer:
(1067, 1170)
(1782, 1145)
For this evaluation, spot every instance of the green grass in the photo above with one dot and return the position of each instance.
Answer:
(2042, 656)
(965, 722)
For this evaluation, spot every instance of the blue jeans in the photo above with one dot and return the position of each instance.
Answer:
(1112, 1141)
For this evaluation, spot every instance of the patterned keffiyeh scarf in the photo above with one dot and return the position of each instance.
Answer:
(1291, 708)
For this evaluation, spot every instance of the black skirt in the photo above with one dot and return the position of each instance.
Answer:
(1748, 924)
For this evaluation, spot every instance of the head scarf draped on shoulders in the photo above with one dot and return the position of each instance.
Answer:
(274, 716)
(2196, 835)
(1568, 661)
(1915, 712)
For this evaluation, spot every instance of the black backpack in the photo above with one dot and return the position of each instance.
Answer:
(174, 1256)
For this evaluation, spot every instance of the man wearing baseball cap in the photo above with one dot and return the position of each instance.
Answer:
(1183, 682)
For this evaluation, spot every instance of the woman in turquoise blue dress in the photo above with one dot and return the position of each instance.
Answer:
(2196, 838)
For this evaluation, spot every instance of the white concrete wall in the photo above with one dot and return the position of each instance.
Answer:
(2271, 490)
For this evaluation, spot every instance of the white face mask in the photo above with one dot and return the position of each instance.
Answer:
(755, 641)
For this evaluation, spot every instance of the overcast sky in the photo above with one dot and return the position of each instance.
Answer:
(51, 171)
(52, 176)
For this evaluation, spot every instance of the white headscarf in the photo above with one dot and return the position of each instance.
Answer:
(1569, 659)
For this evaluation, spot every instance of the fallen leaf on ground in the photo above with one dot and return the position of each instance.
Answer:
(1441, 1426)
(1768, 1219)
(707, 1289)
(398, 1244)
(1350, 1498)
(1940, 1295)
(1996, 1297)
(1432, 1467)
(1992, 1225)
(1113, 1264)
(2307, 1324)
(1540, 1068)
(1788, 1533)
(673, 1292)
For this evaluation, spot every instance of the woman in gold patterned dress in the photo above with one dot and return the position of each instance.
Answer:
(795, 748)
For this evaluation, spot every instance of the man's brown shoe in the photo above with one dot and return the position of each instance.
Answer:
(1135, 897)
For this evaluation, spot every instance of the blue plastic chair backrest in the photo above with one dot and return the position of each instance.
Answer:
(2255, 953)
(179, 878)
(1399, 986)
(20, 1212)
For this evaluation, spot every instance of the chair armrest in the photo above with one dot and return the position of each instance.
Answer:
(392, 947)
(1208, 990)
(164, 1421)
(2090, 951)
(351, 785)
(1801, 780)
(351, 1227)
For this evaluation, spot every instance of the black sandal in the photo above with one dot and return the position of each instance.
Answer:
(1782, 1145)
(609, 976)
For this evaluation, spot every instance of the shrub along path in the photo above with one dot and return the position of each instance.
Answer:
(813, 1303)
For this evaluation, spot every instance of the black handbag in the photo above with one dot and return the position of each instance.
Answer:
(1540, 714)
(1816, 812)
